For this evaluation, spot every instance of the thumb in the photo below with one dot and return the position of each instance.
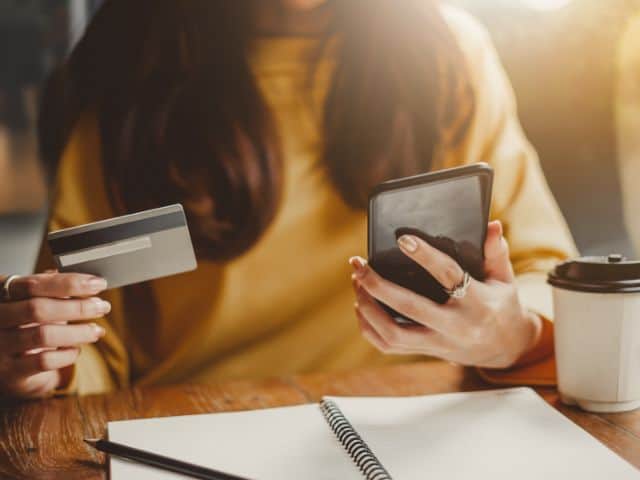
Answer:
(497, 264)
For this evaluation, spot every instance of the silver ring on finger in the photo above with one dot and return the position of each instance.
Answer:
(460, 290)
(5, 293)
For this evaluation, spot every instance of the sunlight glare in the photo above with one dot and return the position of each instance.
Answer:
(545, 4)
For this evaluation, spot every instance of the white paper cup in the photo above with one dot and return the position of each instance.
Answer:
(597, 333)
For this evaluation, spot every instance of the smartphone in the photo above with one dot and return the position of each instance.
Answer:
(449, 209)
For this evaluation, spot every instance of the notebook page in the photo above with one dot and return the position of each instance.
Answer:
(279, 443)
(496, 435)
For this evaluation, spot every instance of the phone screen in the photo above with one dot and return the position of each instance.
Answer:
(449, 214)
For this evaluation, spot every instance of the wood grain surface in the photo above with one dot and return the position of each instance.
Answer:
(43, 439)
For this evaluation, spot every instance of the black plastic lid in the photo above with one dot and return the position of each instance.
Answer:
(612, 274)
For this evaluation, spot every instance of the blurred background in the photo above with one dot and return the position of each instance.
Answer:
(562, 57)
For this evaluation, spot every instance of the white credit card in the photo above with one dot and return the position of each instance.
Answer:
(129, 249)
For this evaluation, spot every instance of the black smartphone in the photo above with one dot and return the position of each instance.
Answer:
(449, 209)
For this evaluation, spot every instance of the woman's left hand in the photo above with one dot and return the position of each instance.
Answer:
(488, 327)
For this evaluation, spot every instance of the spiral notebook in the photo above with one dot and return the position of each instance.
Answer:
(497, 435)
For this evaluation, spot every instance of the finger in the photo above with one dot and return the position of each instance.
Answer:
(374, 338)
(46, 310)
(497, 263)
(35, 386)
(49, 336)
(56, 285)
(27, 365)
(370, 334)
(404, 301)
(407, 339)
(444, 268)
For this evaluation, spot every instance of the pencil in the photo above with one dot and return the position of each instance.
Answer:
(159, 461)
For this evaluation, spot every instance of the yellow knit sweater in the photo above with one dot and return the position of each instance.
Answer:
(287, 305)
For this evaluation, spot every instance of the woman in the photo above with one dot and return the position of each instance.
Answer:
(270, 122)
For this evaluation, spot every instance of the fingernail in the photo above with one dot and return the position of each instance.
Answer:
(408, 243)
(498, 224)
(96, 284)
(102, 307)
(105, 307)
(99, 331)
(359, 264)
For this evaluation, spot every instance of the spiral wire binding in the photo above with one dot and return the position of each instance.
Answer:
(355, 446)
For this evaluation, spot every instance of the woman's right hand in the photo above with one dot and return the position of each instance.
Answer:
(38, 337)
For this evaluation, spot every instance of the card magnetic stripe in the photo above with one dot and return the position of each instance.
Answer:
(114, 233)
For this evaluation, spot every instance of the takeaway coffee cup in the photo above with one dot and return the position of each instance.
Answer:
(597, 332)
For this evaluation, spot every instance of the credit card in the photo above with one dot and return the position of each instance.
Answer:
(128, 249)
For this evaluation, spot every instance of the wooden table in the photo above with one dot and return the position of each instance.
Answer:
(43, 440)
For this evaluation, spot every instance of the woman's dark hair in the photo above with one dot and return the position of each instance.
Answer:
(181, 118)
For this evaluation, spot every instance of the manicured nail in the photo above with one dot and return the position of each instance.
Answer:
(359, 264)
(101, 306)
(96, 284)
(99, 331)
(105, 307)
(498, 224)
(408, 243)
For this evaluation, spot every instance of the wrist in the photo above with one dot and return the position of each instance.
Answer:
(539, 345)
(535, 331)
(529, 338)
